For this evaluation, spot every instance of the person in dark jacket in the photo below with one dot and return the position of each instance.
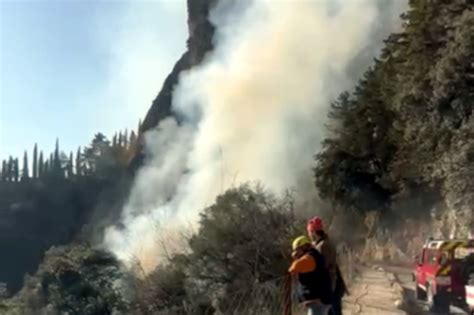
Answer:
(323, 244)
(313, 279)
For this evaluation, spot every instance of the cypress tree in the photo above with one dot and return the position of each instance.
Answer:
(35, 162)
(70, 171)
(133, 138)
(4, 170)
(78, 162)
(114, 141)
(139, 131)
(16, 170)
(41, 165)
(120, 140)
(56, 162)
(10, 168)
(25, 173)
(125, 139)
(46, 168)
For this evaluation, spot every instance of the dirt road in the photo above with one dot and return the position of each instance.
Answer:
(372, 293)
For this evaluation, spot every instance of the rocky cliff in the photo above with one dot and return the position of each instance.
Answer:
(199, 43)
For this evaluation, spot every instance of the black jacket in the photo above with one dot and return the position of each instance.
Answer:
(315, 284)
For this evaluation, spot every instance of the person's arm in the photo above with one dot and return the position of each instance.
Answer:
(304, 264)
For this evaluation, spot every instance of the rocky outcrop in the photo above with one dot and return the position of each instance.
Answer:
(199, 43)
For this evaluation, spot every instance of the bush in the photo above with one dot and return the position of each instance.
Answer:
(243, 241)
(75, 279)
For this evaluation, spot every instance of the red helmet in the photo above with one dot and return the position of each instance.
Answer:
(314, 224)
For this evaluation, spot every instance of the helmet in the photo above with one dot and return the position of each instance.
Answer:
(300, 241)
(314, 224)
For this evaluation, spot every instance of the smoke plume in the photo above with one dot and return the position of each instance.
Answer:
(254, 110)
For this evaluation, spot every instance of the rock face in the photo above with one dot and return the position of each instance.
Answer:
(199, 43)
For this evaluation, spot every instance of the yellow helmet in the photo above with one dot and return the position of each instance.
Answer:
(300, 241)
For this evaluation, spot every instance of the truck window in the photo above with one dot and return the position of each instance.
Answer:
(444, 259)
(432, 257)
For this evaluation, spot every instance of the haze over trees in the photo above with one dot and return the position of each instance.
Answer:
(400, 146)
(401, 142)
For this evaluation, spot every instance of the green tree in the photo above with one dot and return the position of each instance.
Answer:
(47, 168)
(4, 171)
(99, 158)
(41, 168)
(407, 125)
(10, 168)
(114, 141)
(25, 173)
(79, 171)
(125, 139)
(79, 280)
(70, 165)
(56, 161)
(120, 139)
(16, 170)
(242, 239)
(35, 162)
(133, 139)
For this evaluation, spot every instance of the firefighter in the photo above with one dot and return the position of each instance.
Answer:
(313, 280)
(323, 244)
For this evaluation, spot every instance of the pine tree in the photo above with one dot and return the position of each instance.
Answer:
(46, 168)
(16, 170)
(25, 173)
(4, 170)
(56, 161)
(114, 141)
(120, 140)
(70, 171)
(35, 162)
(139, 130)
(78, 162)
(125, 139)
(10, 168)
(41, 165)
(133, 139)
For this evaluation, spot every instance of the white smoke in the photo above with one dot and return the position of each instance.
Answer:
(254, 110)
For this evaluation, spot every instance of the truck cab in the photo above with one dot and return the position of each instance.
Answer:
(439, 272)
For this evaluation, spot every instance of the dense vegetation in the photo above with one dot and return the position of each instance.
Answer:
(400, 146)
(402, 142)
(54, 202)
(73, 280)
(242, 242)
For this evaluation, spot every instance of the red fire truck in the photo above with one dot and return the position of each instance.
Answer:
(444, 269)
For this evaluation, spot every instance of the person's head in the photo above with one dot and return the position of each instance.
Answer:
(315, 229)
(300, 246)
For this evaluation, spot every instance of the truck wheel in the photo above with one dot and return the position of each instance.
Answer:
(438, 303)
(420, 294)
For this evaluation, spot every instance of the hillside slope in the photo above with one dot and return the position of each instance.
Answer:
(401, 144)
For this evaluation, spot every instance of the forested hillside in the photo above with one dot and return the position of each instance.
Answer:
(401, 143)
(50, 201)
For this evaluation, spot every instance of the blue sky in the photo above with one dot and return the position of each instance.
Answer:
(71, 68)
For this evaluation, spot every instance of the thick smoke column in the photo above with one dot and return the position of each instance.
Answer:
(253, 111)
